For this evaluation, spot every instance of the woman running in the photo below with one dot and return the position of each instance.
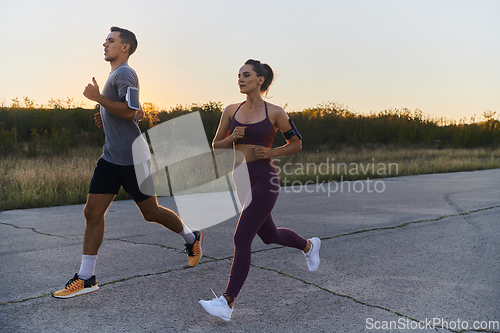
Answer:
(251, 127)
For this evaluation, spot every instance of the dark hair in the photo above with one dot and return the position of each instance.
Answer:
(264, 70)
(127, 37)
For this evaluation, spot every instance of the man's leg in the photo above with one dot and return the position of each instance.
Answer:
(153, 212)
(95, 208)
(84, 281)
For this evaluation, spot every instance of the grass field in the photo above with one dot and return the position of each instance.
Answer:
(63, 180)
(29, 182)
(382, 162)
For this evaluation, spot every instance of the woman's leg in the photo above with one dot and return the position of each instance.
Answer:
(282, 236)
(251, 220)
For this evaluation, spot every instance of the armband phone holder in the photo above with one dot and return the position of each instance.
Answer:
(132, 98)
(294, 131)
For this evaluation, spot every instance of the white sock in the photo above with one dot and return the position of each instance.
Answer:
(187, 234)
(87, 268)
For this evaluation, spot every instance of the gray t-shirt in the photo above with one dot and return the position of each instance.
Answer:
(120, 133)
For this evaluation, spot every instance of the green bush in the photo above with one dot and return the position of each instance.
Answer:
(52, 131)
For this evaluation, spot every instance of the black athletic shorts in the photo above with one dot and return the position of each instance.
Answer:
(109, 177)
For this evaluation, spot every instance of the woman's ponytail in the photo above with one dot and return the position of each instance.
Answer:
(262, 70)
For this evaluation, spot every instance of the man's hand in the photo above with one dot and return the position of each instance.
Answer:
(98, 120)
(92, 91)
(141, 114)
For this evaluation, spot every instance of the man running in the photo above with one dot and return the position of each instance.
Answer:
(116, 167)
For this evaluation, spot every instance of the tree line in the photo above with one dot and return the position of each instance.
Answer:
(33, 131)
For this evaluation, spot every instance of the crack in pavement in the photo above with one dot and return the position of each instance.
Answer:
(450, 202)
(214, 259)
(405, 224)
(183, 251)
(211, 259)
(365, 303)
(461, 213)
(32, 229)
(270, 270)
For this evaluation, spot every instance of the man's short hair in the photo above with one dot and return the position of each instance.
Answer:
(127, 37)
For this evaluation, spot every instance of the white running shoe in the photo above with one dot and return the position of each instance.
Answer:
(312, 256)
(218, 307)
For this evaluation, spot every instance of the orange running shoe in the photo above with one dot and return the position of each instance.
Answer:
(195, 250)
(76, 287)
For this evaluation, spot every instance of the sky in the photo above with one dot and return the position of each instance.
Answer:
(441, 57)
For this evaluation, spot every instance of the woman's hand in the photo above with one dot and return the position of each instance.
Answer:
(238, 133)
(262, 152)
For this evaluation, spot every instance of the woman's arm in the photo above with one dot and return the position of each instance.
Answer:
(223, 139)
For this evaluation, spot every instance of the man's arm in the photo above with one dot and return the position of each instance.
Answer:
(119, 109)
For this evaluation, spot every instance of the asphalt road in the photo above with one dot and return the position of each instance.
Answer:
(409, 254)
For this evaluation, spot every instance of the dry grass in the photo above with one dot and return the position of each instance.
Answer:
(29, 182)
(362, 163)
(51, 181)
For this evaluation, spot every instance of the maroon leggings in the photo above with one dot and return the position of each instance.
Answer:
(255, 219)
